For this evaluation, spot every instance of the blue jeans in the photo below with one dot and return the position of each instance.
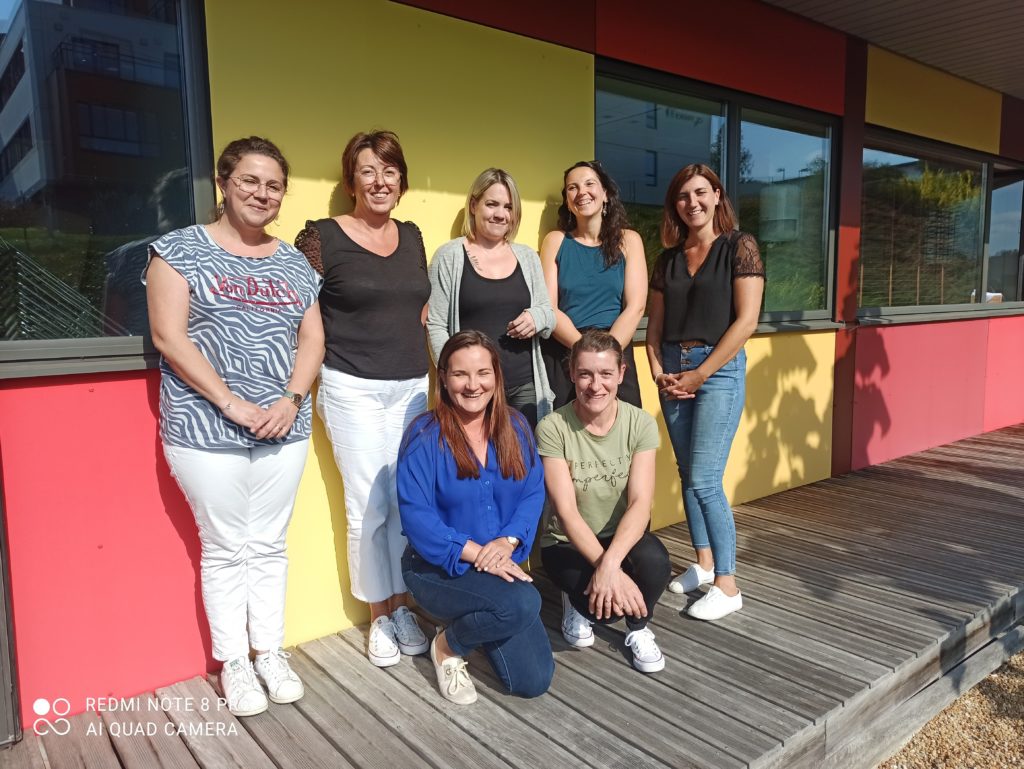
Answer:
(486, 611)
(701, 430)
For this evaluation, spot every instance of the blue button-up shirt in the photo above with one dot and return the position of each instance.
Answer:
(441, 512)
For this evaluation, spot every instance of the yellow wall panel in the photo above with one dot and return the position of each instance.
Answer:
(462, 97)
(907, 96)
(785, 435)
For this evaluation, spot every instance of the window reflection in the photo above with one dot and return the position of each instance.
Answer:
(920, 231)
(784, 179)
(1004, 236)
(92, 162)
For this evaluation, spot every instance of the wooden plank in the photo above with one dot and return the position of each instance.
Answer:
(429, 732)
(24, 754)
(85, 746)
(213, 735)
(143, 736)
(355, 733)
(555, 734)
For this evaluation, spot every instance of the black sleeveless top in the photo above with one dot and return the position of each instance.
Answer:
(700, 306)
(371, 304)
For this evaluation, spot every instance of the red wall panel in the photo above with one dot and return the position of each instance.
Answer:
(104, 552)
(1011, 129)
(917, 386)
(1004, 378)
(740, 44)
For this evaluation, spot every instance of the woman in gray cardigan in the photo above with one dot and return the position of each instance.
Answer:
(486, 282)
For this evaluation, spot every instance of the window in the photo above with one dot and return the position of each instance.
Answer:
(775, 161)
(113, 174)
(1005, 248)
(12, 75)
(922, 210)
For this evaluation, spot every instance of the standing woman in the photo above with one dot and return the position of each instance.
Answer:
(596, 274)
(471, 490)
(704, 304)
(374, 379)
(599, 470)
(485, 281)
(234, 314)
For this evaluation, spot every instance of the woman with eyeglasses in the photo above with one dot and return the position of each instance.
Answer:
(596, 274)
(374, 379)
(234, 314)
(486, 281)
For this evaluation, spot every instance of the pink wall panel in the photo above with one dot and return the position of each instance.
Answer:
(1004, 380)
(917, 386)
(104, 552)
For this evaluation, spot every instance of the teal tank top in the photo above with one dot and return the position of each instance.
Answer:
(588, 292)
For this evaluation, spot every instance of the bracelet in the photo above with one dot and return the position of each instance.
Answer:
(227, 406)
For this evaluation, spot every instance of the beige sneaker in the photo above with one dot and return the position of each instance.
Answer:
(452, 678)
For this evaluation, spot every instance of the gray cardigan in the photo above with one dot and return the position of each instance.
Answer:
(443, 309)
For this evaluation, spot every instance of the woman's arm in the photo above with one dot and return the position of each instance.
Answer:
(634, 290)
(167, 294)
(439, 306)
(564, 332)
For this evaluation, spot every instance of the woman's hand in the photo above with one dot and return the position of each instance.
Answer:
(523, 326)
(682, 385)
(510, 571)
(493, 553)
(275, 421)
(242, 412)
(612, 593)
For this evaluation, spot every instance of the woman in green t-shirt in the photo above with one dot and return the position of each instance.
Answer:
(598, 454)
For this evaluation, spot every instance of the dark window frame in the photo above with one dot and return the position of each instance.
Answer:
(31, 358)
(734, 102)
(888, 140)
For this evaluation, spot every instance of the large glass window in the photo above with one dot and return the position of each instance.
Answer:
(1005, 274)
(94, 163)
(921, 229)
(776, 166)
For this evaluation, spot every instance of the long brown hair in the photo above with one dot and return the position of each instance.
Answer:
(673, 229)
(614, 219)
(499, 416)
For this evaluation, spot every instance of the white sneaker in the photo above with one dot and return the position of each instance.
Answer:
(715, 604)
(647, 657)
(407, 632)
(691, 579)
(576, 629)
(241, 689)
(282, 684)
(382, 645)
(452, 678)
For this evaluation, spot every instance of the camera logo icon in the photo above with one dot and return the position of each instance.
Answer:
(56, 710)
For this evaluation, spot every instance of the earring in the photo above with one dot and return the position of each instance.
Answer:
(604, 209)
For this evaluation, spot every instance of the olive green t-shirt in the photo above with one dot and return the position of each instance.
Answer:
(599, 464)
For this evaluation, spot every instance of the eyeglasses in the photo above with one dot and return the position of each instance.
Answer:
(390, 175)
(250, 185)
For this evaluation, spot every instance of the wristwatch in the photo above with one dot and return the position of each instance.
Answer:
(295, 398)
(512, 541)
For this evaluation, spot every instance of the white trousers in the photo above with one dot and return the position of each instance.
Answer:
(242, 500)
(365, 420)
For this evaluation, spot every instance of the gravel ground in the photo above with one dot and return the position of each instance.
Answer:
(983, 729)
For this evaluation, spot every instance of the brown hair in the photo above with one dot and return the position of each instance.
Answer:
(383, 144)
(232, 155)
(673, 230)
(614, 219)
(499, 418)
(595, 340)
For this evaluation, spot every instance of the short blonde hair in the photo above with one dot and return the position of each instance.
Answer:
(481, 184)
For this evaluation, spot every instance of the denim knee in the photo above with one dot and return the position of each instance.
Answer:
(520, 607)
(535, 681)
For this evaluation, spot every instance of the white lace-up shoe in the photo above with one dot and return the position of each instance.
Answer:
(691, 579)
(452, 678)
(576, 629)
(382, 646)
(241, 689)
(282, 684)
(407, 632)
(715, 604)
(647, 657)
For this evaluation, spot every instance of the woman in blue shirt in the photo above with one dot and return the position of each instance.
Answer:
(470, 493)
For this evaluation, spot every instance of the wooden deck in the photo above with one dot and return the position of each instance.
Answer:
(870, 602)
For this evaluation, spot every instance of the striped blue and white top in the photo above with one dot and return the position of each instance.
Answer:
(244, 315)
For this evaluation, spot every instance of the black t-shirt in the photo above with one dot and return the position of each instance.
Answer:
(700, 306)
(371, 304)
(487, 305)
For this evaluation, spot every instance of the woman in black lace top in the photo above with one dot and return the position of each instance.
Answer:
(704, 304)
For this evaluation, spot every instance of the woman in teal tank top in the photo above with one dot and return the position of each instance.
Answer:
(596, 274)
